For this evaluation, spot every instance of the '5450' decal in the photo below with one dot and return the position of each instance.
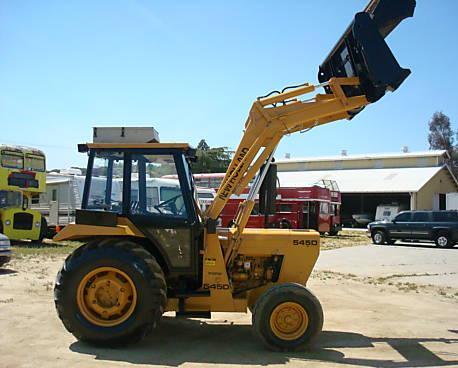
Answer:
(307, 243)
(216, 286)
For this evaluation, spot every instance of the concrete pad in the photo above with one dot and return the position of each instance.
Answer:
(422, 264)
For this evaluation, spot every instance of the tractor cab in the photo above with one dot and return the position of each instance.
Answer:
(124, 189)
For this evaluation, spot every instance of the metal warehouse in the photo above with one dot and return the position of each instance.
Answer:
(415, 180)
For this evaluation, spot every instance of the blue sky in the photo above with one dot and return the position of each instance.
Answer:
(192, 69)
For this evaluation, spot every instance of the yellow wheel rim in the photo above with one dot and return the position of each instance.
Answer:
(289, 321)
(106, 296)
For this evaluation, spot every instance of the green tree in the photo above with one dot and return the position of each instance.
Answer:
(211, 160)
(441, 135)
(203, 146)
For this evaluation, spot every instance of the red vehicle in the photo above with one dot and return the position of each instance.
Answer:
(316, 207)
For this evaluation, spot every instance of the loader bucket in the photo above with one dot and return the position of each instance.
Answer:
(362, 51)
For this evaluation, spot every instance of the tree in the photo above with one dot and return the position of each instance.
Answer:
(203, 146)
(440, 133)
(211, 160)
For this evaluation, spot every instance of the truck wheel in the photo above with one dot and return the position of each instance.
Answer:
(110, 292)
(443, 240)
(287, 317)
(43, 229)
(379, 237)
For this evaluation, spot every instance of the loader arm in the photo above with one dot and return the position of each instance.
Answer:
(270, 119)
(359, 70)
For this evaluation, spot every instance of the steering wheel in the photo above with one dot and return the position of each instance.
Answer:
(170, 203)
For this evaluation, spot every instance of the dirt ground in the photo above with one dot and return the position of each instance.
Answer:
(372, 319)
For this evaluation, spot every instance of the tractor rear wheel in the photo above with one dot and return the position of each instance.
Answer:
(110, 292)
(287, 317)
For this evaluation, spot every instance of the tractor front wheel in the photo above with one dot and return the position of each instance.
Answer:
(287, 317)
(110, 292)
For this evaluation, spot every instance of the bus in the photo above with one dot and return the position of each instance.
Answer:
(22, 179)
(316, 207)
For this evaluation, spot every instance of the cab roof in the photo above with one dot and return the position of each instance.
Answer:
(86, 146)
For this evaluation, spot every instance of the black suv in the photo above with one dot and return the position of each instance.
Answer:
(438, 226)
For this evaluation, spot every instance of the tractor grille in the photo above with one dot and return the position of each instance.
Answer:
(23, 221)
(23, 180)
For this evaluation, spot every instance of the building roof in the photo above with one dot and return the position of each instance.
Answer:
(367, 156)
(396, 180)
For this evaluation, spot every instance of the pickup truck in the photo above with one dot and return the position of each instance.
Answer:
(438, 226)
(5, 250)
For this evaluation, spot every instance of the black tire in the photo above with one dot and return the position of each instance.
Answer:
(43, 229)
(379, 237)
(133, 260)
(443, 240)
(288, 292)
(4, 261)
(284, 224)
(333, 232)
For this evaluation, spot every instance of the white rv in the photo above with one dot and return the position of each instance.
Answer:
(64, 194)
(387, 212)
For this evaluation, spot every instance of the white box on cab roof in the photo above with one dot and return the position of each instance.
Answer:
(125, 135)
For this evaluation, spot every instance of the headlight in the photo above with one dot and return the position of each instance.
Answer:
(37, 224)
(5, 243)
(7, 222)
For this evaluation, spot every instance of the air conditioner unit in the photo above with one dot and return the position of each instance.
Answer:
(125, 135)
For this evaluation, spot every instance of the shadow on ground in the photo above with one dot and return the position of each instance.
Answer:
(412, 244)
(6, 271)
(179, 341)
(31, 244)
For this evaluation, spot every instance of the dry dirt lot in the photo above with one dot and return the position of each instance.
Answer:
(376, 315)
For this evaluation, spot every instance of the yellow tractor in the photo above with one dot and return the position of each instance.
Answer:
(149, 249)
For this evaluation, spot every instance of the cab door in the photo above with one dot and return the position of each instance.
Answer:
(164, 209)
(419, 227)
(400, 228)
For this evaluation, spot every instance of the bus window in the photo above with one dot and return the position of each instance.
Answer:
(12, 160)
(35, 163)
(324, 208)
(284, 208)
(10, 199)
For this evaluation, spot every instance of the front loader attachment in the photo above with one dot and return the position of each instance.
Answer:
(362, 51)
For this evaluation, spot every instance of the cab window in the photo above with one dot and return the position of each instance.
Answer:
(403, 217)
(150, 193)
(106, 182)
(420, 217)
